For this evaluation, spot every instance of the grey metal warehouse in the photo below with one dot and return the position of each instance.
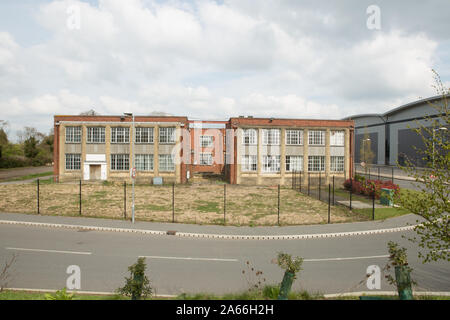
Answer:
(390, 133)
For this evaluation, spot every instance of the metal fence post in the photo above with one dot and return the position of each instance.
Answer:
(392, 174)
(333, 192)
(278, 204)
(125, 200)
(224, 202)
(320, 181)
(329, 201)
(80, 197)
(38, 196)
(309, 181)
(373, 205)
(369, 173)
(351, 190)
(300, 181)
(378, 173)
(173, 202)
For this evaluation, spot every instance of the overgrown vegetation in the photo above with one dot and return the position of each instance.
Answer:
(432, 204)
(32, 149)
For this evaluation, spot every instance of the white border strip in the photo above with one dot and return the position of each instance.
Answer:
(214, 236)
(45, 250)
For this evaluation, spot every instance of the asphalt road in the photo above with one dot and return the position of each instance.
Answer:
(177, 265)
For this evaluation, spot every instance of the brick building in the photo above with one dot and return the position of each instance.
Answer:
(244, 150)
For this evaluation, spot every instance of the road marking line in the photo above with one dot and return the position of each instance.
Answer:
(349, 258)
(189, 258)
(52, 251)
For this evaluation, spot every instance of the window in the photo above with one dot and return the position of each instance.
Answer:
(120, 162)
(167, 135)
(294, 163)
(144, 135)
(336, 138)
(316, 137)
(144, 162)
(294, 137)
(271, 136)
(316, 163)
(249, 136)
(166, 162)
(271, 163)
(249, 164)
(206, 159)
(120, 135)
(73, 134)
(206, 141)
(96, 135)
(337, 164)
(73, 161)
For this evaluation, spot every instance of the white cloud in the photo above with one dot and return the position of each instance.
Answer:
(210, 60)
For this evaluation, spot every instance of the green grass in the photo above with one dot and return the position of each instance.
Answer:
(207, 206)
(269, 292)
(382, 213)
(31, 176)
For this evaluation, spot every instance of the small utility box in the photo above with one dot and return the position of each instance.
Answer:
(157, 180)
(387, 196)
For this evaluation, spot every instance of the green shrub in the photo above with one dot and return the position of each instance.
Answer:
(137, 285)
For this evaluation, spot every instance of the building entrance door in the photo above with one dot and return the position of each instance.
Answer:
(95, 172)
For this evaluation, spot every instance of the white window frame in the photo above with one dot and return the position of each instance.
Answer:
(271, 164)
(249, 136)
(206, 159)
(294, 137)
(144, 162)
(294, 163)
(120, 135)
(143, 132)
(206, 141)
(316, 163)
(73, 161)
(271, 137)
(73, 134)
(166, 162)
(316, 137)
(337, 138)
(249, 163)
(95, 135)
(120, 162)
(167, 135)
(337, 163)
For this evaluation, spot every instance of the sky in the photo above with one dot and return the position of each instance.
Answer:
(213, 60)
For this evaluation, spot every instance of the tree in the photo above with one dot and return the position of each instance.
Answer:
(30, 148)
(137, 285)
(432, 202)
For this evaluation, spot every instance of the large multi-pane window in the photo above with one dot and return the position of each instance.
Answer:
(337, 163)
(294, 137)
(294, 163)
(120, 162)
(144, 162)
(316, 163)
(120, 135)
(73, 134)
(249, 136)
(166, 162)
(167, 135)
(206, 141)
(144, 135)
(316, 137)
(271, 136)
(249, 163)
(73, 161)
(96, 134)
(337, 138)
(271, 164)
(206, 159)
